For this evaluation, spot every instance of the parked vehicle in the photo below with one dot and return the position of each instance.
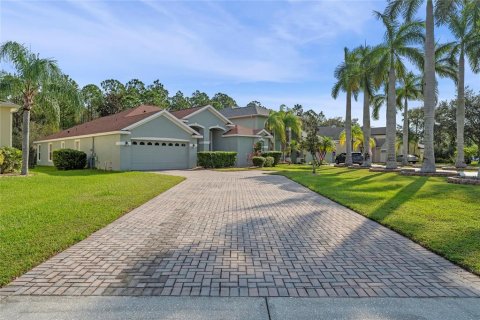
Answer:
(357, 158)
(411, 158)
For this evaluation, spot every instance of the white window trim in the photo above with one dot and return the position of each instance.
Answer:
(39, 152)
(75, 144)
(62, 145)
(50, 152)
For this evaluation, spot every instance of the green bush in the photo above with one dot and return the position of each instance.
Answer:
(10, 159)
(216, 159)
(269, 161)
(276, 155)
(69, 159)
(258, 161)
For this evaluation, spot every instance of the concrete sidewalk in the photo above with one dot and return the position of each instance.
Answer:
(245, 308)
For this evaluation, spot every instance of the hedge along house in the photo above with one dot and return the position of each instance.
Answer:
(6, 110)
(148, 138)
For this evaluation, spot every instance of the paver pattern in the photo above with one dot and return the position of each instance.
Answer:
(246, 234)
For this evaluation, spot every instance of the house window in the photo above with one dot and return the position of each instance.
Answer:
(157, 144)
(170, 144)
(50, 152)
(39, 152)
(134, 143)
(149, 144)
(177, 145)
(164, 144)
(77, 145)
(142, 143)
(183, 144)
(62, 145)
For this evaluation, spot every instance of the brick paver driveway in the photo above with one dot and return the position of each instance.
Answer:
(245, 234)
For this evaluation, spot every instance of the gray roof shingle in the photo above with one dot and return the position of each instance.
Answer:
(245, 111)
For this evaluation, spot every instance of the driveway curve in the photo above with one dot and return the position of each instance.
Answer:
(245, 234)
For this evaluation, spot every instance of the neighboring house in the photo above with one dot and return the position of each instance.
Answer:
(6, 110)
(149, 138)
(379, 153)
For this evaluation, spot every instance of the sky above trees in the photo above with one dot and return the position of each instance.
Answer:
(270, 51)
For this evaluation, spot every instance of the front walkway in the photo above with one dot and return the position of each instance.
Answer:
(246, 234)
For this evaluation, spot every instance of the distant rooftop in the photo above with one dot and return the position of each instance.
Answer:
(244, 112)
(334, 132)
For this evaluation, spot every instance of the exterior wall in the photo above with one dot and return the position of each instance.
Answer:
(255, 122)
(107, 153)
(5, 127)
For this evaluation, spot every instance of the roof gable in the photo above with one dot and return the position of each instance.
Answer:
(188, 113)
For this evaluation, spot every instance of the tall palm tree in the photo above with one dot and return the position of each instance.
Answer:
(348, 80)
(275, 125)
(398, 44)
(367, 61)
(408, 8)
(466, 46)
(410, 89)
(32, 76)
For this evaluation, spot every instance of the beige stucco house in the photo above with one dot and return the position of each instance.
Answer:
(6, 110)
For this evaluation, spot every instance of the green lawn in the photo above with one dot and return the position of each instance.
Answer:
(49, 211)
(441, 216)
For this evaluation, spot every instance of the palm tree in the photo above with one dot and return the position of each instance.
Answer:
(367, 62)
(358, 139)
(410, 89)
(325, 144)
(34, 77)
(467, 45)
(442, 9)
(399, 39)
(347, 75)
(282, 123)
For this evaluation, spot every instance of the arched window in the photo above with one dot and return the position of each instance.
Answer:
(170, 144)
(164, 144)
(142, 143)
(134, 143)
(177, 145)
(157, 144)
(149, 144)
(183, 144)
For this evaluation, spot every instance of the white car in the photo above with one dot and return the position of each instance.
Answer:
(411, 158)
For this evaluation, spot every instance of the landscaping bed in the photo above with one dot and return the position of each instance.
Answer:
(47, 212)
(441, 216)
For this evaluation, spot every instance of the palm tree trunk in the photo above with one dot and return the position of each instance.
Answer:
(348, 130)
(391, 119)
(405, 132)
(429, 91)
(25, 139)
(460, 163)
(367, 161)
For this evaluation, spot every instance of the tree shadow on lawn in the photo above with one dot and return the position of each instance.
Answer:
(74, 173)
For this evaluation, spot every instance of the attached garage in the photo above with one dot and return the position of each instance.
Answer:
(159, 154)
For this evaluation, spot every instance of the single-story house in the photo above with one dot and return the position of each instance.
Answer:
(6, 110)
(149, 138)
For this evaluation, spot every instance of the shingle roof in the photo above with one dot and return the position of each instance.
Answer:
(180, 114)
(332, 132)
(114, 122)
(379, 131)
(245, 111)
(244, 131)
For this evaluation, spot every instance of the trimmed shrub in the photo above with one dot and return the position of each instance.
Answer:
(10, 159)
(216, 159)
(269, 161)
(69, 159)
(276, 155)
(258, 161)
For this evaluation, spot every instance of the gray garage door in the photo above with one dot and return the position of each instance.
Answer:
(159, 155)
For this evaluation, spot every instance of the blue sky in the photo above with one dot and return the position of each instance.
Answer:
(271, 51)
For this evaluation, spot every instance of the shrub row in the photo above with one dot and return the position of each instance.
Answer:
(10, 159)
(263, 161)
(69, 159)
(275, 155)
(216, 159)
